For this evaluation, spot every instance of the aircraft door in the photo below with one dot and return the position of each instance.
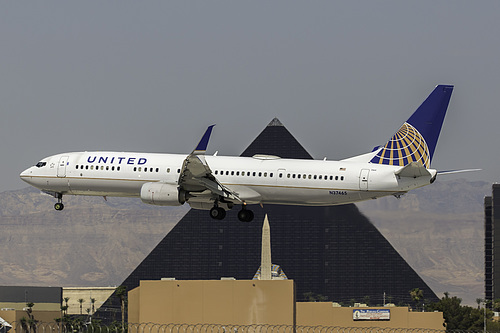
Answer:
(61, 167)
(363, 179)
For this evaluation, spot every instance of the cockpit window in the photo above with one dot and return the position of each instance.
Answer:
(41, 164)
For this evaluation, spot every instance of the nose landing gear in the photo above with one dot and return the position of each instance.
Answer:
(59, 205)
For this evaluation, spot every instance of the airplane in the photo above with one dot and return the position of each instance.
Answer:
(218, 183)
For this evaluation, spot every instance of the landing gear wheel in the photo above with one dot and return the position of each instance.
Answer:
(217, 213)
(245, 215)
(59, 205)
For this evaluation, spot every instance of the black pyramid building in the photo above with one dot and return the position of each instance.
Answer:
(333, 251)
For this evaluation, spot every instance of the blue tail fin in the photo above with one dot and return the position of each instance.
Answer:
(416, 140)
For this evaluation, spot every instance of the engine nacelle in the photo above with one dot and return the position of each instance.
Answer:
(161, 194)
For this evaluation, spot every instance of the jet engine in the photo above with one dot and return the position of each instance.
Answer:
(162, 194)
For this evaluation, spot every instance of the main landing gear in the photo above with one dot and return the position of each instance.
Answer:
(219, 213)
(59, 205)
(245, 215)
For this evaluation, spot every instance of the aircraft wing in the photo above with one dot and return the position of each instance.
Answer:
(196, 176)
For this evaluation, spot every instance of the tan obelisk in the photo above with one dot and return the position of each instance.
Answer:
(265, 259)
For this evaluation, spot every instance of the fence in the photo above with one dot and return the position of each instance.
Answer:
(25, 327)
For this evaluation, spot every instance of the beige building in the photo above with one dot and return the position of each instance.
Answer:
(324, 314)
(247, 302)
(212, 301)
(14, 317)
(99, 294)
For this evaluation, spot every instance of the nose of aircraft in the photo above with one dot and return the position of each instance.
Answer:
(26, 174)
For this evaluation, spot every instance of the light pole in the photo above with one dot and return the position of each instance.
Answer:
(484, 315)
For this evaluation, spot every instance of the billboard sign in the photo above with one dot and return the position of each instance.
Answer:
(371, 314)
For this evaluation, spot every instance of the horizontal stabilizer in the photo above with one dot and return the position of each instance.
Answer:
(449, 172)
(414, 170)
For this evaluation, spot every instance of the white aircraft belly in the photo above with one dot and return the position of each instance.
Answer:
(108, 187)
(296, 195)
(314, 196)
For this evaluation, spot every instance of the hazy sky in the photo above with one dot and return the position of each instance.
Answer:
(152, 75)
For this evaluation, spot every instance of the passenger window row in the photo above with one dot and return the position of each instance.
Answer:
(243, 173)
(304, 176)
(97, 167)
(219, 172)
(265, 174)
(145, 169)
(117, 168)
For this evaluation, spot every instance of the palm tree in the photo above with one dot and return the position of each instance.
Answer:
(66, 299)
(81, 301)
(121, 293)
(92, 301)
(416, 295)
(478, 301)
(64, 309)
(24, 324)
(30, 322)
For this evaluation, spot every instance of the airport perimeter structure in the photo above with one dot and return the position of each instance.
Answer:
(332, 253)
(492, 246)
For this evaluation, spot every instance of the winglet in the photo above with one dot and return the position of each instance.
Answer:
(201, 148)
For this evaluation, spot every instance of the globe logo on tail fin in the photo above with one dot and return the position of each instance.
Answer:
(406, 146)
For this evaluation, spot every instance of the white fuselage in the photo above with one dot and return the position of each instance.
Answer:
(257, 180)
